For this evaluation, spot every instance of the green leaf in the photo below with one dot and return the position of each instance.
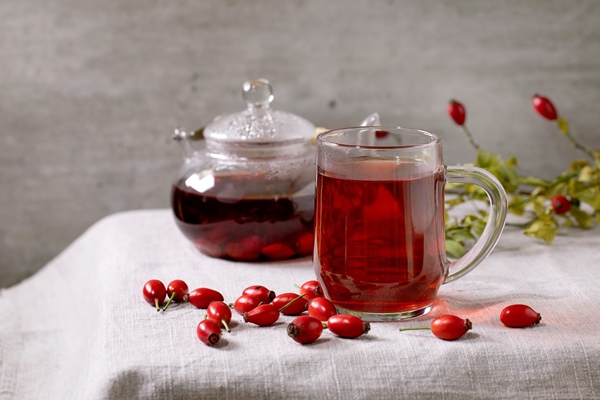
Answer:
(454, 248)
(517, 205)
(460, 235)
(584, 220)
(478, 226)
(544, 229)
(532, 181)
(563, 125)
(486, 159)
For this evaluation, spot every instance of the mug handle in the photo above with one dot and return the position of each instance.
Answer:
(496, 217)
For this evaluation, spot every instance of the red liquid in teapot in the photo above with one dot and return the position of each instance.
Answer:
(380, 236)
(245, 229)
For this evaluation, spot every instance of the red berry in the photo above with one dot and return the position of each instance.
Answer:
(177, 291)
(380, 134)
(260, 292)
(450, 327)
(245, 303)
(202, 297)
(544, 107)
(305, 329)
(263, 315)
(277, 251)
(347, 326)
(561, 205)
(294, 303)
(241, 251)
(447, 327)
(519, 316)
(311, 289)
(208, 332)
(154, 292)
(457, 112)
(321, 308)
(220, 313)
(305, 244)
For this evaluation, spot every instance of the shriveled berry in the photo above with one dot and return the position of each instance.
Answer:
(245, 303)
(321, 308)
(560, 204)
(457, 112)
(202, 297)
(311, 289)
(260, 292)
(347, 326)
(305, 329)
(208, 331)
(290, 303)
(544, 107)
(154, 292)
(263, 315)
(519, 316)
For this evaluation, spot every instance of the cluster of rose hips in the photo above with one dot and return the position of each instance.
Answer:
(451, 327)
(262, 307)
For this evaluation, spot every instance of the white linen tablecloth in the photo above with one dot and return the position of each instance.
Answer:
(80, 329)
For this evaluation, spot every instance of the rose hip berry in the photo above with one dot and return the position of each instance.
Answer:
(305, 329)
(220, 313)
(277, 251)
(305, 244)
(347, 326)
(177, 291)
(560, 204)
(154, 292)
(519, 316)
(208, 332)
(311, 289)
(245, 303)
(544, 107)
(321, 308)
(457, 112)
(446, 327)
(260, 292)
(202, 297)
(290, 303)
(263, 315)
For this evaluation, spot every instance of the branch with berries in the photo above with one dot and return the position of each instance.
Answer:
(571, 200)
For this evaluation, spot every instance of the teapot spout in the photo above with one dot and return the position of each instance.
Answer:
(182, 138)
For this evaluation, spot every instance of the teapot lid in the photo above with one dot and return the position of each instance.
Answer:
(259, 123)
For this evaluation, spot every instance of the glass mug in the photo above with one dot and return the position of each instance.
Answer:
(379, 220)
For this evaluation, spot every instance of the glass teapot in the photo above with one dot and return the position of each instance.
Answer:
(248, 193)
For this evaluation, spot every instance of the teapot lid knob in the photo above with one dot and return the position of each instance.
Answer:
(257, 93)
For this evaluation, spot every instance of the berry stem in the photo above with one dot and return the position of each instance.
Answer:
(226, 325)
(564, 129)
(169, 302)
(471, 139)
(157, 305)
(291, 301)
(421, 328)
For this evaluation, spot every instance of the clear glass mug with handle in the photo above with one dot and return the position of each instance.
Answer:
(379, 220)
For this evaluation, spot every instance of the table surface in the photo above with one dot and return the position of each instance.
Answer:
(80, 328)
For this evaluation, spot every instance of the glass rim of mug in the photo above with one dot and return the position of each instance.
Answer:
(434, 140)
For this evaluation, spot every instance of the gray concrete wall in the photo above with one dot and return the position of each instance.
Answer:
(91, 90)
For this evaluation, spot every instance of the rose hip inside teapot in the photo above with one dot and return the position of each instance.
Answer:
(248, 193)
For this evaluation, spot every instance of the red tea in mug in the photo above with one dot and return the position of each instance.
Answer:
(379, 234)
